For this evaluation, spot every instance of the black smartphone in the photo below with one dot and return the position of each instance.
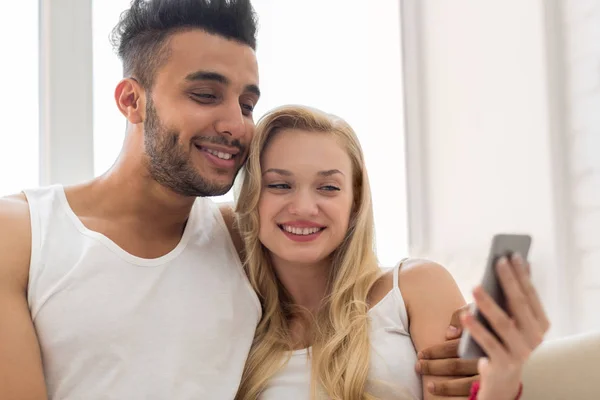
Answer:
(502, 245)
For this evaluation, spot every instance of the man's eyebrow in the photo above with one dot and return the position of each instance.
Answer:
(220, 78)
(278, 171)
(253, 89)
(330, 172)
(207, 76)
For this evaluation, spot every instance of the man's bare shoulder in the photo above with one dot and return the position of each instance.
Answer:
(15, 238)
(14, 215)
(20, 360)
(18, 197)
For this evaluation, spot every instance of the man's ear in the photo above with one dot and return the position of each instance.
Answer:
(131, 100)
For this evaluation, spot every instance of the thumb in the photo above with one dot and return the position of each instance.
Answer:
(453, 332)
(455, 328)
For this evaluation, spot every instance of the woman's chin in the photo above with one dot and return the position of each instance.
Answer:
(304, 258)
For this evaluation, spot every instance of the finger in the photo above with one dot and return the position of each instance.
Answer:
(453, 332)
(502, 324)
(519, 304)
(524, 278)
(482, 365)
(452, 387)
(455, 329)
(448, 349)
(517, 300)
(447, 367)
(492, 347)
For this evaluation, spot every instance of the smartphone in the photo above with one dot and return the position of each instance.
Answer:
(502, 245)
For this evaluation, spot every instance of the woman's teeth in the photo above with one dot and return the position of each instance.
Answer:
(300, 231)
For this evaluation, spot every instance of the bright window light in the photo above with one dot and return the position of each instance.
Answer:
(342, 56)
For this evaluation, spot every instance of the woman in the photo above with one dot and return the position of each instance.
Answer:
(334, 325)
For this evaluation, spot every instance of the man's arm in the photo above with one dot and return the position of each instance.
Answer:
(442, 360)
(431, 296)
(21, 373)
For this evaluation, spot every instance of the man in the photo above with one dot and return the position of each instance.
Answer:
(130, 286)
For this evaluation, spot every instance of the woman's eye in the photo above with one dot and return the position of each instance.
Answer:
(278, 186)
(330, 188)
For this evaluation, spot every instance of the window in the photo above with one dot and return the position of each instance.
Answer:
(19, 108)
(350, 66)
(109, 123)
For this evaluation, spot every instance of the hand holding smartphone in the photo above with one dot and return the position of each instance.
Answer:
(502, 245)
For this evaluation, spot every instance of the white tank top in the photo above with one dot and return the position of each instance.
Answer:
(392, 373)
(115, 326)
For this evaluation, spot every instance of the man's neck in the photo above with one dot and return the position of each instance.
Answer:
(128, 193)
(135, 193)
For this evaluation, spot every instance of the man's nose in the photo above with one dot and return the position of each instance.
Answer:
(232, 121)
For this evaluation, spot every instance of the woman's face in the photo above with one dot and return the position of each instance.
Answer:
(306, 196)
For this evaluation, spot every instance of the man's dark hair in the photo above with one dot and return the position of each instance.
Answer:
(140, 38)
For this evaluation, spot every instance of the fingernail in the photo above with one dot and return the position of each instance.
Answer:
(420, 355)
(431, 387)
(452, 330)
(418, 367)
(464, 317)
(502, 261)
(517, 259)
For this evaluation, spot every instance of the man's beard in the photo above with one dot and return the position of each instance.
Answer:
(169, 164)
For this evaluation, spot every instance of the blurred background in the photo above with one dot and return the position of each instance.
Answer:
(475, 118)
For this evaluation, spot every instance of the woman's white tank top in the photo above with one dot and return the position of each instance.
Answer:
(392, 374)
(115, 326)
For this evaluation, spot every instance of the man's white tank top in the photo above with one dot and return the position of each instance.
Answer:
(392, 374)
(115, 326)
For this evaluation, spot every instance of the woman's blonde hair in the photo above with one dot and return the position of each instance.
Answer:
(340, 335)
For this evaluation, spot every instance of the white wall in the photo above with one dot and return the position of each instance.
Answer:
(582, 97)
(19, 111)
(485, 141)
(66, 96)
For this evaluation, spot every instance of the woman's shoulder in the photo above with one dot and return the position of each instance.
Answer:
(413, 270)
(415, 277)
(419, 271)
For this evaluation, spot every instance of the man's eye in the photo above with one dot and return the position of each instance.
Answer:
(204, 96)
(248, 107)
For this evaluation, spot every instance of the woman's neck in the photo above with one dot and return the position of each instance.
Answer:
(306, 283)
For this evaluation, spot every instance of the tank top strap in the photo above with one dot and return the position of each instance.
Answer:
(396, 271)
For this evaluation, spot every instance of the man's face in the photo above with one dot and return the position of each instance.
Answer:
(199, 120)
